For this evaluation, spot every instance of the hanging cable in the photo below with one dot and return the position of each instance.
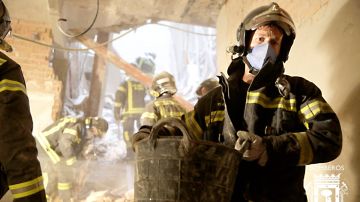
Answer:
(71, 49)
(82, 33)
(183, 30)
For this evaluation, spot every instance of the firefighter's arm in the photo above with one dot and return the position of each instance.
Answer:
(150, 116)
(19, 152)
(67, 143)
(200, 117)
(320, 142)
(143, 133)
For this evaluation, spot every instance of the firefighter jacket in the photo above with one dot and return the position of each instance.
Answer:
(129, 99)
(162, 107)
(63, 142)
(19, 167)
(296, 123)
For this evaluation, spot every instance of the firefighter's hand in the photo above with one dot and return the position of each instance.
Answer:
(143, 133)
(256, 150)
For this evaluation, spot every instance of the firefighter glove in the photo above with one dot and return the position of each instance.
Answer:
(255, 150)
(143, 133)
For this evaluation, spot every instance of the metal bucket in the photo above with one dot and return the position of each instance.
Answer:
(179, 168)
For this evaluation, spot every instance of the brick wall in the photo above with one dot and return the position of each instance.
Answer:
(34, 60)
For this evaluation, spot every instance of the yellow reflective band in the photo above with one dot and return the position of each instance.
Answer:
(117, 104)
(159, 103)
(215, 116)
(306, 152)
(149, 115)
(131, 108)
(122, 89)
(44, 143)
(10, 85)
(70, 161)
(135, 111)
(2, 61)
(192, 125)
(139, 87)
(312, 109)
(71, 131)
(266, 102)
(172, 114)
(130, 96)
(59, 126)
(306, 124)
(126, 136)
(64, 186)
(27, 188)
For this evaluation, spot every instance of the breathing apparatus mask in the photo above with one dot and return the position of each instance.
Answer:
(263, 15)
(258, 56)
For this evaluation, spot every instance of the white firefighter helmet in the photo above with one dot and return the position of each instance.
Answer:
(5, 27)
(269, 14)
(162, 83)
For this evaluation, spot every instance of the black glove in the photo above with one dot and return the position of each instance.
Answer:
(257, 149)
(143, 133)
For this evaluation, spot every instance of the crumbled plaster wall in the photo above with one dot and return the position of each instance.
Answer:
(327, 53)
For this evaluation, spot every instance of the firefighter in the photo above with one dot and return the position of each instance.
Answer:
(163, 88)
(282, 123)
(20, 169)
(69, 144)
(206, 86)
(130, 100)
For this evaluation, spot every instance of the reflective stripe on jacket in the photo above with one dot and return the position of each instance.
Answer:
(162, 107)
(18, 157)
(62, 140)
(299, 129)
(130, 97)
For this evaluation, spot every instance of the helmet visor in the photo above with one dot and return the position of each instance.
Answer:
(285, 24)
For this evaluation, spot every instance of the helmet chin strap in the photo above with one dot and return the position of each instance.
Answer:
(252, 70)
(5, 46)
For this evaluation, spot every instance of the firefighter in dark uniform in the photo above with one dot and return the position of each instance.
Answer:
(282, 122)
(19, 167)
(163, 88)
(130, 101)
(206, 86)
(68, 143)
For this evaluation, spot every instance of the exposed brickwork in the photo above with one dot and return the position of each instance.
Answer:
(34, 58)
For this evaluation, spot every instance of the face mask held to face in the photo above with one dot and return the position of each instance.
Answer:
(260, 55)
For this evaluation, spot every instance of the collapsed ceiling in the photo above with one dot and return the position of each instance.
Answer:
(115, 15)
